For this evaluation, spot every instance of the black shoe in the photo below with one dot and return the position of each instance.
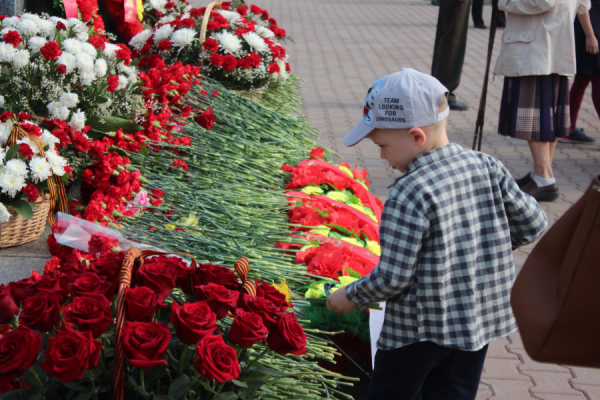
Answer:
(544, 193)
(577, 136)
(435, 2)
(524, 180)
(458, 105)
(500, 26)
(480, 26)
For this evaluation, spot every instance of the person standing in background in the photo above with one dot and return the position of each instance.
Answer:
(536, 59)
(588, 70)
(450, 47)
(477, 15)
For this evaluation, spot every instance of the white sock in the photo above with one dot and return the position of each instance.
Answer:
(541, 181)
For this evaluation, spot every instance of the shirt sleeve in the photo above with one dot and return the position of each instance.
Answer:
(584, 6)
(403, 227)
(527, 7)
(526, 219)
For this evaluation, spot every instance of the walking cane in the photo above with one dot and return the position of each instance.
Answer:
(480, 115)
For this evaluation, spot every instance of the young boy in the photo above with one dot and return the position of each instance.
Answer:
(447, 233)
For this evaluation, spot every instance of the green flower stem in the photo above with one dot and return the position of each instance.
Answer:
(90, 375)
(258, 357)
(182, 358)
(41, 385)
(142, 371)
(198, 376)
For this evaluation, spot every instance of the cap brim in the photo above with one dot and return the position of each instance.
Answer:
(358, 133)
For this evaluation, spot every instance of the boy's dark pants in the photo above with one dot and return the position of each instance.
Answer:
(441, 373)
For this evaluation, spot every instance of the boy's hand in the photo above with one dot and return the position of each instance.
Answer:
(338, 302)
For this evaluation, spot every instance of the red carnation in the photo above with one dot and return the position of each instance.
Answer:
(287, 67)
(255, 9)
(123, 54)
(25, 150)
(164, 45)
(60, 26)
(206, 119)
(51, 50)
(216, 59)
(13, 37)
(31, 192)
(97, 42)
(61, 69)
(317, 154)
(274, 68)
(196, 12)
(213, 26)
(253, 60)
(229, 62)
(211, 44)
(242, 10)
(113, 82)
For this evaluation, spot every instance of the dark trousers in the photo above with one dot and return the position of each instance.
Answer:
(477, 12)
(440, 372)
(450, 42)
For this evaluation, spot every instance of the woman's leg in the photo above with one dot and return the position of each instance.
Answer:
(596, 93)
(542, 153)
(576, 94)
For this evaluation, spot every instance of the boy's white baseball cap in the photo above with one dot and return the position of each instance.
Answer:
(401, 100)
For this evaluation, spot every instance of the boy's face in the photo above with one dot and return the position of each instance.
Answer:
(397, 146)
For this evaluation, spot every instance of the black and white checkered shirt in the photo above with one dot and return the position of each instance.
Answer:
(447, 233)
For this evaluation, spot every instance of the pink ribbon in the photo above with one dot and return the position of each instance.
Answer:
(130, 11)
(71, 8)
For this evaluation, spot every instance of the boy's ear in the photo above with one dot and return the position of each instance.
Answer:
(418, 135)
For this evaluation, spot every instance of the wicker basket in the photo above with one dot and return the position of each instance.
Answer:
(19, 230)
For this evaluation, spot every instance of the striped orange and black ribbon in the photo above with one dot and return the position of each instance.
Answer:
(56, 186)
(242, 266)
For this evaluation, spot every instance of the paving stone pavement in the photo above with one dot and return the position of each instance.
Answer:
(339, 49)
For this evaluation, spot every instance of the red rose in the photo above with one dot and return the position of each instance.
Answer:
(108, 265)
(55, 282)
(40, 312)
(193, 321)
(90, 313)
(8, 307)
(216, 360)
(164, 45)
(13, 37)
(229, 62)
(145, 344)
(31, 191)
(267, 310)
(61, 69)
(210, 273)
(216, 59)
(274, 68)
(268, 292)
(141, 304)
(218, 298)
(287, 336)
(211, 44)
(206, 119)
(23, 288)
(51, 50)
(19, 349)
(247, 328)
(160, 274)
(317, 154)
(25, 151)
(113, 83)
(91, 282)
(70, 354)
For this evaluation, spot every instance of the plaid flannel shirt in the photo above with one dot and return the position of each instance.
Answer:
(447, 233)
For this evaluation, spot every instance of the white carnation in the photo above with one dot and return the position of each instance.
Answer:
(47, 28)
(264, 32)
(182, 37)
(101, 67)
(11, 183)
(28, 27)
(256, 42)
(229, 42)
(121, 67)
(68, 60)
(87, 77)
(110, 50)
(77, 121)
(49, 139)
(82, 37)
(4, 214)
(231, 16)
(5, 31)
(69, 100)
(84, 62)
(72, 46)
(90, 50)
(122, 82)
(20, 59)
(7, 51)
(40, 169)
(30, 17)
(4, 132)
(57, 110)
(10, 22)
(283, 74)
(16, 167)
(57, 162)
(76, 24)
(139, 40)
(2, 100)
(159, 5)
(35, 43)
(162, 33)
(166, 19)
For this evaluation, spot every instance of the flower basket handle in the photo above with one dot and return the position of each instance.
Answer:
(132, 255)
(209, 8)
(55, 183)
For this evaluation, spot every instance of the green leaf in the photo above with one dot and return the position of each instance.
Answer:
(227, 396)
(112, 124)
(353, 273)
(179, 386)
(12, 152)
(23, 207)
(354, 200)
(101, 99)
(239, 383)
(144, 150)
(206, 386)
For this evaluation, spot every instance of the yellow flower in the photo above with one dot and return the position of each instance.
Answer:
(339, 196)
(374, 247)
(371, 214)
(312, 189)
(170, 226)
(313, 294)
(283, 288)
(346, 280)
(358, 207)
(320, 230)
(362, 183)
(140, 9)
(353, 241)
(191, 220)
(346, 170)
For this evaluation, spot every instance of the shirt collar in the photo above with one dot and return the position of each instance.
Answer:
(430, 157)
